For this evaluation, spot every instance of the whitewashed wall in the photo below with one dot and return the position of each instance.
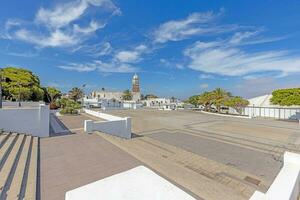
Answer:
(23, 104)
(286, 184)
(33, 120)
(277, 113)
(113, 125)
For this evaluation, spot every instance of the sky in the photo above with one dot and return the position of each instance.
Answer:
(178, 48)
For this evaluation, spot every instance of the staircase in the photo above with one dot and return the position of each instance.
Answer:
(18, 166)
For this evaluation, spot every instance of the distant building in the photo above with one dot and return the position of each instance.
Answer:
(114, 100)
(162, 103)
(136, 93)
(107, 95)
(118, 96)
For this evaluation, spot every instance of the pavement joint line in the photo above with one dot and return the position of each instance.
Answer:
(239, 184)
(137, 150)
(241, 142)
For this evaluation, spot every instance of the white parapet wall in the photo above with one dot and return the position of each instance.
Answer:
(139, 183)
(28, 120)
(113, 125)
(286, 184)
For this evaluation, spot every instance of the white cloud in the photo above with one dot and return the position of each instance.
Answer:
(61, 26)
(194, 24)
(262, 85)
(226, 58)
(206, 76)
(95, 50)
(98, 65)
(127, 56)
(131, 56)
(204, 86)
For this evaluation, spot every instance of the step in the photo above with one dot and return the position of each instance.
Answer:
(6, 146)
(9, 163)
(3, 137)
(16, 184)
(30, 192)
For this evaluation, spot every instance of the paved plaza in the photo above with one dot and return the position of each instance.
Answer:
(230, 155)
(208, 156)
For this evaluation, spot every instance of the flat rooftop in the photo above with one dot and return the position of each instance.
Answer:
(208, 156)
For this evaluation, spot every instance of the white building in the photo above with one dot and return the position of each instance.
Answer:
(118, 96)
(107, 95)
(114, 100)
(162, 103)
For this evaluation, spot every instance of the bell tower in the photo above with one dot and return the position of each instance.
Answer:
(135, 84)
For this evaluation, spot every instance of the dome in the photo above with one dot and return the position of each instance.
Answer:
(135, 77)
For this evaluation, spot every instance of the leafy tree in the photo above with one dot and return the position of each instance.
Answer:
(68, 106)
(52, 94)
(237, 103)
(193, 100)
(21, 83)
(286, 97)
(206, 99)
(219, 97)
(150, 96)
(37, 94)
(127, 96)
(76, 94)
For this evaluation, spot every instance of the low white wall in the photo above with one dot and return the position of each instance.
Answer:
(272, 112)
(114, 125)
(23, 104)
(102, 115)
(226, 115)
(34, 120)
(286, 184)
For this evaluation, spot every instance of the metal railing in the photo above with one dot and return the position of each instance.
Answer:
(272, 112)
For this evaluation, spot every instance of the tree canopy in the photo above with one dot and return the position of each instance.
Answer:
(52, 93)
(76, 93)
(286, 97)
(127, 96)
(218, 97)
(237, 103)
(150, 96)
(21, 83)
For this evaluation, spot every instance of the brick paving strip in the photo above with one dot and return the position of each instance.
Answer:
(206, 178)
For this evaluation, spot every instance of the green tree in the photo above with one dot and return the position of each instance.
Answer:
(127, 96)
(194, 100)
(206, 99)
(286, 97)
(219, 97)
(150, 96)
(237, 103)
(76, 94)
(21, 83)
(52, 94)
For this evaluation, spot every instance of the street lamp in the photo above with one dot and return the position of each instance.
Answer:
(83, 86)
(19, 84)
(1, 79)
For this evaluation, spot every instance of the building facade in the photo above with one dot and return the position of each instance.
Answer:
(136, 92)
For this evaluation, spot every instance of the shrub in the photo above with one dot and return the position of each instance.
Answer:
(68, 106)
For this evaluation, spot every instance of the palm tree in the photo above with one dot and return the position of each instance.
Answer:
(219, 97)
(76, 93)
(206, 100)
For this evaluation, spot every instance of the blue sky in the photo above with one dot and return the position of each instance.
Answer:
(178, 48)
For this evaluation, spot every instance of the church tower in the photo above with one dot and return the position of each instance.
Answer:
(135, 83)
(136, 93)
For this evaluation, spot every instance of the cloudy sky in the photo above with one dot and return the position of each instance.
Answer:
(178, 48)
